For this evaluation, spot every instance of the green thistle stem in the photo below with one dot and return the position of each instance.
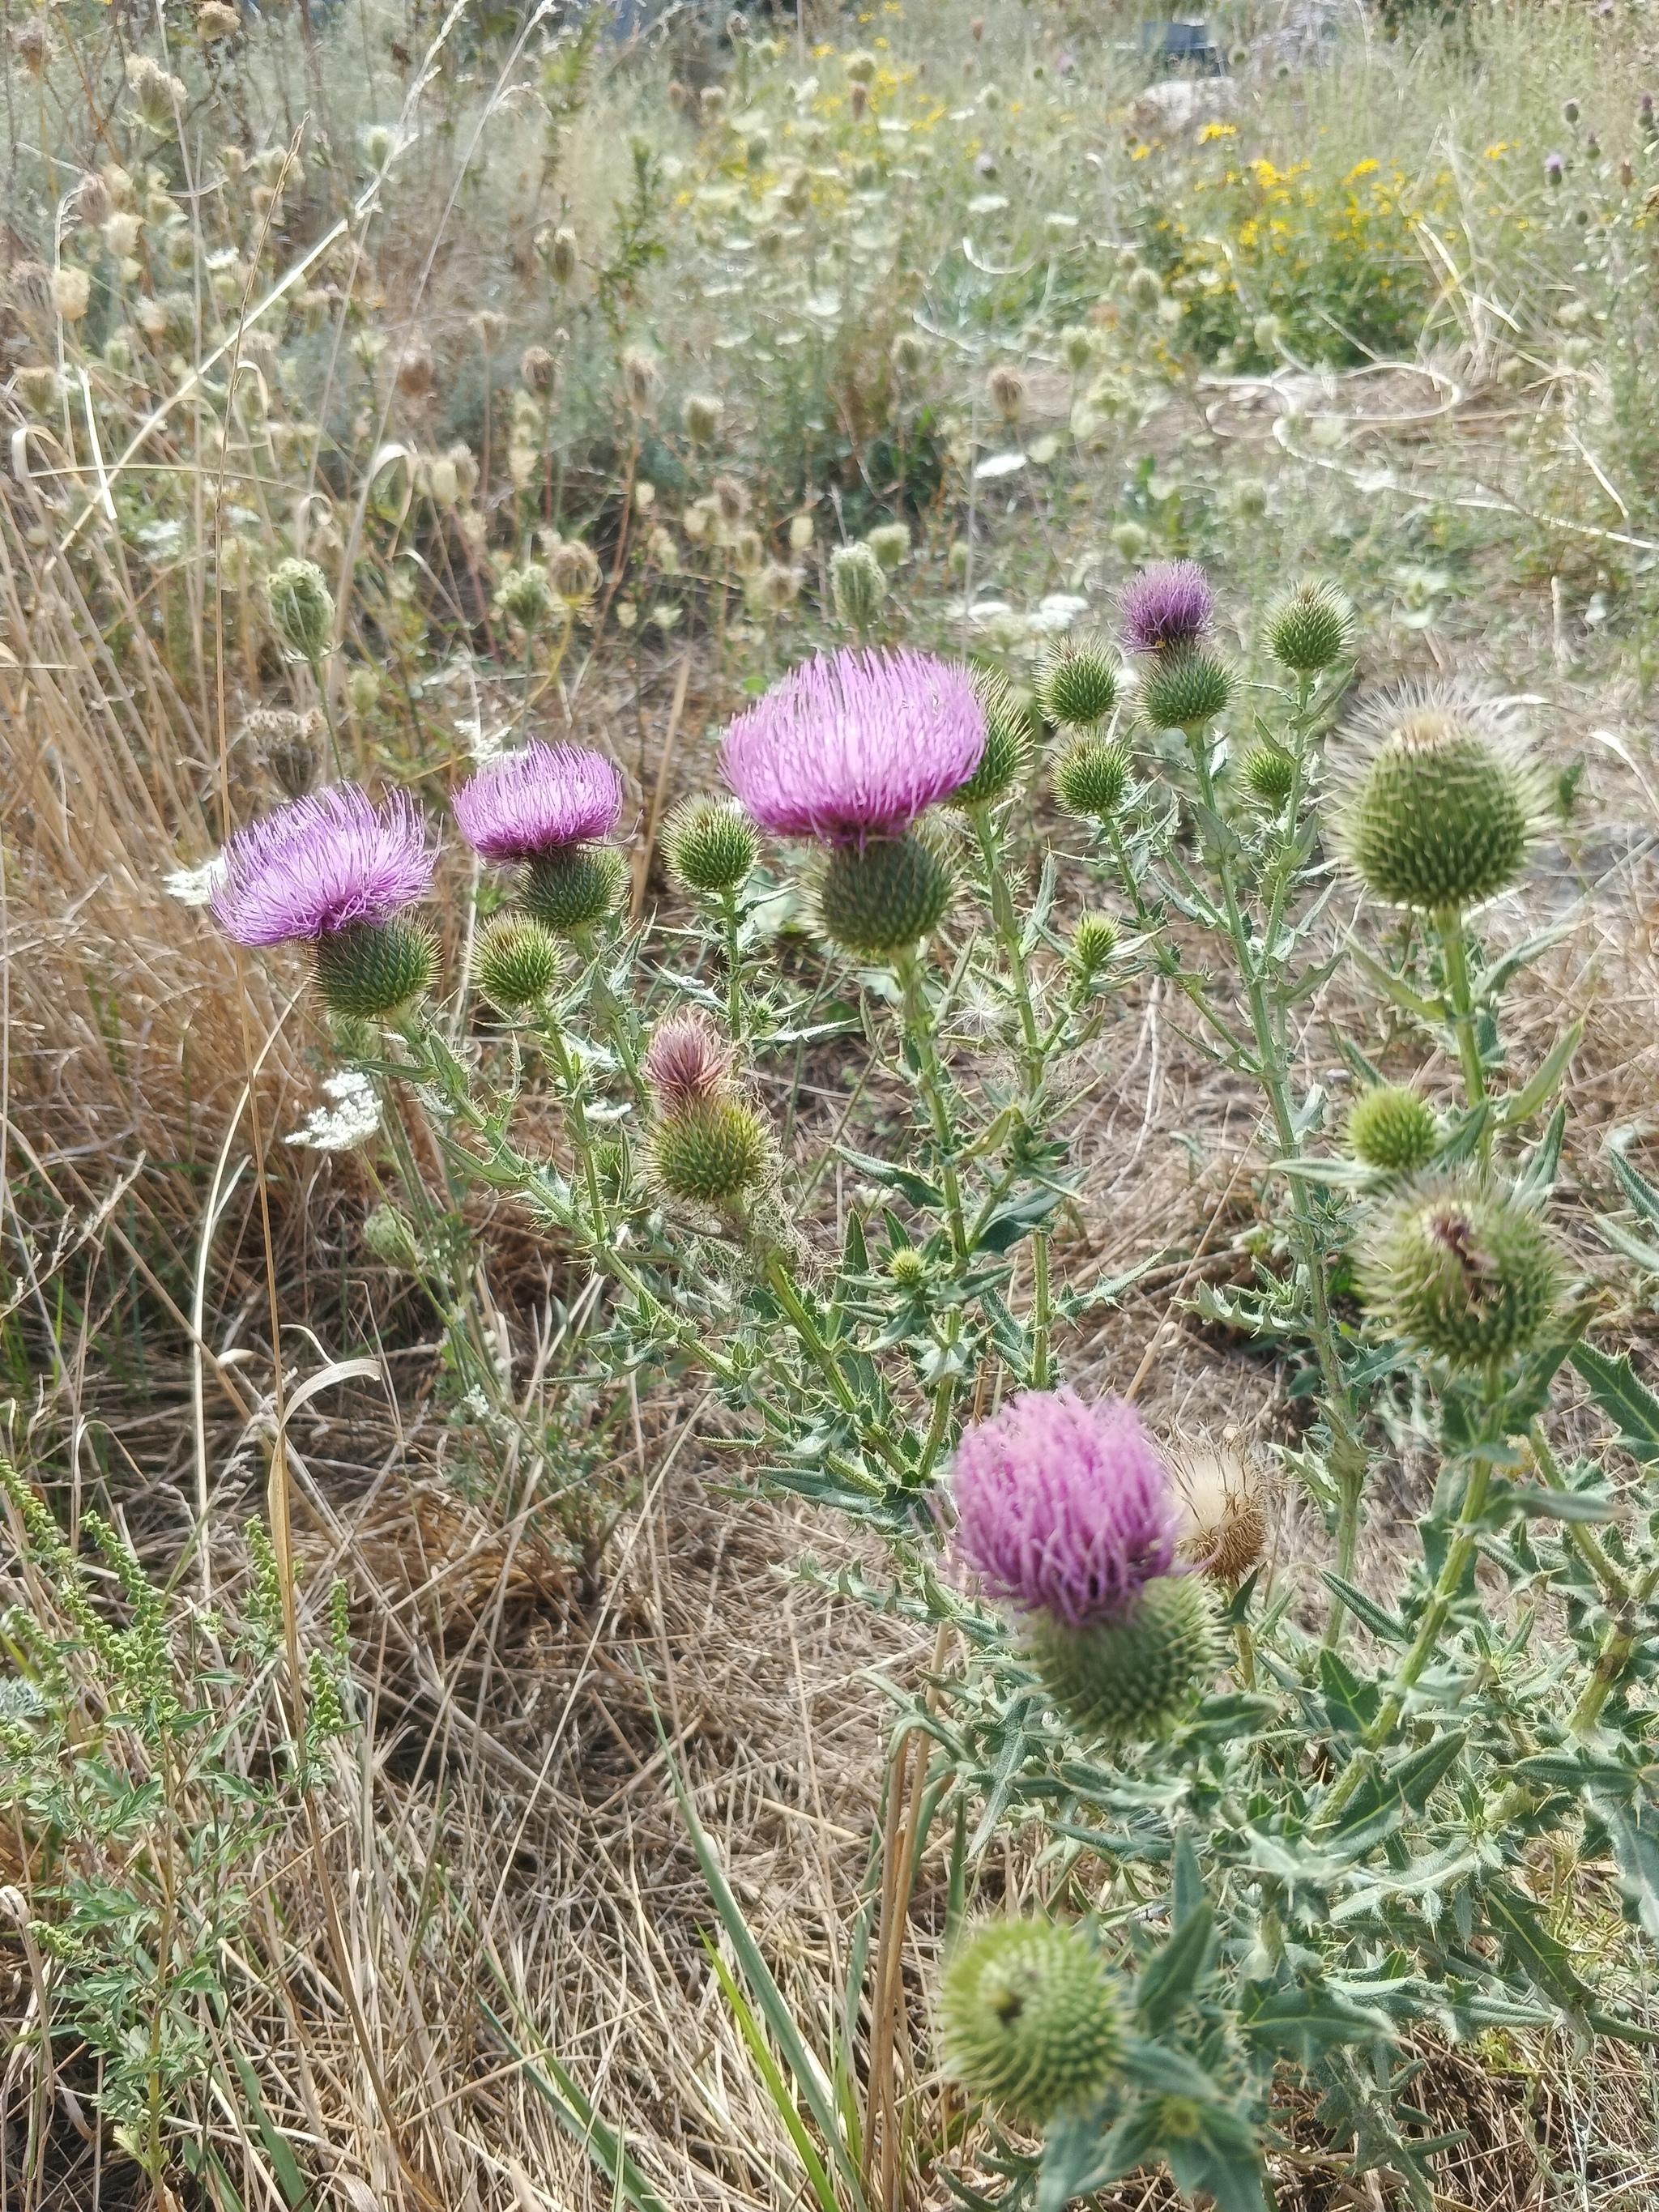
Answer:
(1449, 929)
(731, 922)
(786, 1292)
(918, 1034)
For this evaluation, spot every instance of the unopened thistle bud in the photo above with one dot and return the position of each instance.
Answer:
(907, 1267)
(1392, 1128)
(1309, 628)
(1092, 778)
(574, 572)
(858, 584)
(1131, 539)
(710, 847)
(700, 414)
(526, 597)
(538, 370)
(1077, 687)
(1008, 738)
(1469, 1274)
(1441, 804)
(710, 1152)
(890, 544)
(1269, 774)
(1094, 940)
(516, 962)
(301, 609)
(882, 897)
(562, 257)
(371, 970)
(748, 552)
(363, 690)
(1006, 388)
(1031, 2018)
(570, 887)
(1223, 1522)
(1184, 689)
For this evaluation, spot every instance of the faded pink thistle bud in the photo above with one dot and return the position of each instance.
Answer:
(1065, 1508)
(855, 745)
(686, 1062)
(538, 799)
(1167, 607)
(326, 863)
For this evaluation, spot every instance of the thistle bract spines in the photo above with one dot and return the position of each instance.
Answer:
(1443, 814)
(1128, 1677)
(883, 895)
(710, 847)
(1030, 2017)
(1392, 1128)
(1094, 940)
(372, 969)
(1008, 740)
(1269, 774)
(1310, 628)
(517, 963)
(573, 886)
(1092, 777)
(1185, 689)
(1467, 1274)
(710, 1152)
(1077, 688)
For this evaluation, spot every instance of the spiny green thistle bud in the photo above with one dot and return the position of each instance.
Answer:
(390, 1236)
(1310, 627)
(907, 1267)
(303, 609)
(710, 846)
(375, 969)
(1269, 774)
(882, 896)
(890, 544)
(1094, 940)
(858, 585)
(712, 1150)
(516, 962)
(1391, 1127)
(526, 596)
(1129, 1677)
(1008, 740)
(1131, 539)
(1029, 2018)
(1183, 691)
(701, 415)
(1469, 1274)
(1092, 778)
(1441, 807)
(571, 887)
(1077, 687)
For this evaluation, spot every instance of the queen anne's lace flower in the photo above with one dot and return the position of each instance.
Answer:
(323, 864)
(351, 1121)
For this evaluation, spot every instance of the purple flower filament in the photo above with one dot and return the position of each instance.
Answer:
(1064, 1507)
(855, 746)
(1167, 608)
(538, 800)
(327, 862)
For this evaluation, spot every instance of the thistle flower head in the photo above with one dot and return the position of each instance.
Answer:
(1031, 2017)
(533, 801)
(323, 864)
(686, 1061)
(1310, 626)
(1224, 1523)
(1468, 1274)
(1064, 1507)
(1392, 1128)
(1166, 607)
(855, 745)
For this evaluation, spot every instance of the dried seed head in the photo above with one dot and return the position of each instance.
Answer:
(1006, 388)
(1222, 1496)
(538, 370)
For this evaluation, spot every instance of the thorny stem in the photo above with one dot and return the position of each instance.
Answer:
(731, 924)
(918, 1034)
(785, 1289)
(1449, 929)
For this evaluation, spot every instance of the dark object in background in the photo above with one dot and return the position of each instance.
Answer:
(1176, 46)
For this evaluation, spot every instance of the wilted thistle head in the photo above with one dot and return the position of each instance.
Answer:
(1392, 1128)
(32, 43)
(710, 846)
(857, 100)
(1077, 686)
(30, 287)
(858, 585)
(1092, 777)
(538, 370)
(526, 596)
(561, 250)
(1466, 1273)
(37, 386)
(731, 500)
(1309, 627)
(534, 801)
(702, 413)
(328, 865)
(1185, 689)
(301, 609)
(639, 379)
(855, 745)
(774, 588)
(516, 962)
(1269, 773)
(1167, 608)
(1029, 2018)
(574, 572)
(686, 1062)
(890, 542)
(1221, 1497)
(1008, 739)
(72, 292)
(1439, 804)
(1006, 388)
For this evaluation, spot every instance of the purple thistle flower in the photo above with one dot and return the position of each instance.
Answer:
(323, 862)
(855, 745)
(1554, 168)
(536, 800)
(1167, 606)
(1064, 1506)
(686, 1062)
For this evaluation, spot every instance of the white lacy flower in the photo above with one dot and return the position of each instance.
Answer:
(484, 745)
(195, 886)
(351, 1121)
